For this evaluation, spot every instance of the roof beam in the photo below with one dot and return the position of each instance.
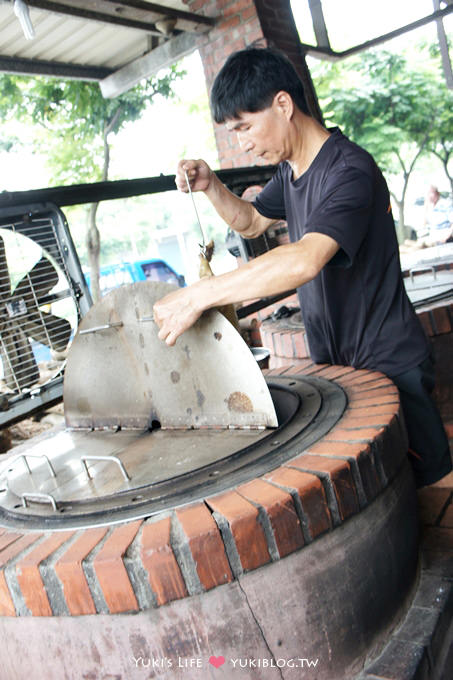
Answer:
(236, 179)
(165, 55)
(129, 13)
(319, 24)
(35, 67)
(325, 53)
(444, 50)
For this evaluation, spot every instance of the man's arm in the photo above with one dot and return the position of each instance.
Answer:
(240, 215)
(277, 271)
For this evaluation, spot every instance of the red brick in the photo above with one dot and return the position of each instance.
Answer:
(384, 409)
(365, 434)
(361, 376)
(277, 343)
(447, 519)
(376, 394)
(426, 323)
(333, 372)
(236, 7)
(229, 23)
(351, 422)
(280, 509)
(314, 368)
(375, 401)
(303, 366)
(390, 447)
(29, 578)
(365, 386)
(312, 497)
(15, 548)
(300, 348)
(339, 472)
(206, 545)
(111, 572)
(247, 531)
(441, 320)
(248, 12)
(361, 453)
(7, 538)
(70, 572)
(280, 370)
(287, 348)
(160, 562)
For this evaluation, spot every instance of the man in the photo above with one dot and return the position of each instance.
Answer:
(343, 256)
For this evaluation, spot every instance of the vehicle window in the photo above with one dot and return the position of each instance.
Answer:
(159, 271)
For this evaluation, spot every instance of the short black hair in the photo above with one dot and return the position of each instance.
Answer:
(249, 80)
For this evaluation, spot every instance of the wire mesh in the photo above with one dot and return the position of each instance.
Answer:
(39, 308)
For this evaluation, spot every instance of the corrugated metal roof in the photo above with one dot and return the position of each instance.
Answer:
(89, 40)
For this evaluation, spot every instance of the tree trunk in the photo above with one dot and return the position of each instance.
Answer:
(450, 178)
(401, 231)
(93, 235)
(94, 249)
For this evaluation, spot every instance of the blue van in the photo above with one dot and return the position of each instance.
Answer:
(114, 275)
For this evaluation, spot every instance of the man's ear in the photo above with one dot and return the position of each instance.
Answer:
(283, 102)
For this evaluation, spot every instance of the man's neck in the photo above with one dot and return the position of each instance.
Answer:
(309, 137)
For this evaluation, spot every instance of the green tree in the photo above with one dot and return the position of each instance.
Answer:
(76, 124)
(389, 108)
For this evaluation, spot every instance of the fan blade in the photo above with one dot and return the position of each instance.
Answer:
(5, 281)
(50, 330)
(39, 281)
(19, 365)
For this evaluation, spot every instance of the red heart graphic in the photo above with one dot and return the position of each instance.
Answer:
(217, 661)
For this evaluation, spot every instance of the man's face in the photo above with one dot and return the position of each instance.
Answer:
(263, 133)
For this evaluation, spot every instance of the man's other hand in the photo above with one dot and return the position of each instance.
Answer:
(175, 313)
(198, 172)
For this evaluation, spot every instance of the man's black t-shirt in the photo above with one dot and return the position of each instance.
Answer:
(356, 311)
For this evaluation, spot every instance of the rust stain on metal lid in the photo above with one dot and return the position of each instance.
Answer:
(238, 401)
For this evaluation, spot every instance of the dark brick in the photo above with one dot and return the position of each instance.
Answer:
(401, 660)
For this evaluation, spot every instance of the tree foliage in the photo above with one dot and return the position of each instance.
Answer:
(75, 123)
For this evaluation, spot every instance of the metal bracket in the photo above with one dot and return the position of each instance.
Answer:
(112, 459)
(114, 324)
(39, 497)
(422, 269)
(36, 455)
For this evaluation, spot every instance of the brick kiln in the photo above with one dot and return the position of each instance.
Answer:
(213, 538)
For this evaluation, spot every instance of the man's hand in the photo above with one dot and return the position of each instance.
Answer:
(176, 312)
(199, 173)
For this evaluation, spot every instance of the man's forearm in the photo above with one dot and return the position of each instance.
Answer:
(281, 269)
(239, 214)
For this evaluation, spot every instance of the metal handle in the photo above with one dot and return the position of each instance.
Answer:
(95, 329)
(39, 497)
(112, 459)
(37, 455)
(422, 269)
(203, 244)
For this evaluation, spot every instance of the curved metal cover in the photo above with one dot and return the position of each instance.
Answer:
(119, 374)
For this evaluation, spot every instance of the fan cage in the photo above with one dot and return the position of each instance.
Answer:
(43, 295)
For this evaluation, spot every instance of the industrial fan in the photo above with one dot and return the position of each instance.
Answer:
(22, 318)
